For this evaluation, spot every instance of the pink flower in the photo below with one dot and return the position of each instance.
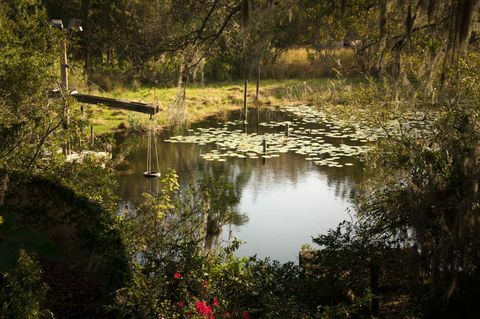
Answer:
(215, 301)
(204, 309)
(226, 315)
(177, 275)
(180, 304)
(245, 315)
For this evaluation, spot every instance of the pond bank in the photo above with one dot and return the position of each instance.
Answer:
(212, 99)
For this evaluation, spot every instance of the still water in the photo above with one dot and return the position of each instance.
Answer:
(288, 199)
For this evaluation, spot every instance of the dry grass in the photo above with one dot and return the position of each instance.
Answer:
(294, 56)
(303, 63)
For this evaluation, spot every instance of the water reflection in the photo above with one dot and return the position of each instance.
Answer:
(287, 199)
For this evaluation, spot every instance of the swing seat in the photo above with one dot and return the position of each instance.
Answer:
(151, 174)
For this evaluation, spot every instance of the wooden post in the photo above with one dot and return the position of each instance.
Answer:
(92, 136)
(64, 88)
(245, 76)
(258, 84)
(256, 98)
(264, 145)
(286, 129)
(64, 66)
(245, 110)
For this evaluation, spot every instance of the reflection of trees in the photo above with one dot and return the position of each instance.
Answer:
(343, 180)
(292, 168)
(211, 181)
(216, 200)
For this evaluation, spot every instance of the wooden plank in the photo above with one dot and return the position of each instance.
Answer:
(116, 103)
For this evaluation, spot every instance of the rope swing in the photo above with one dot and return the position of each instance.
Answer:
(150, 173)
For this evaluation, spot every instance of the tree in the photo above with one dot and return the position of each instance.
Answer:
(389, 34)
(28, 51)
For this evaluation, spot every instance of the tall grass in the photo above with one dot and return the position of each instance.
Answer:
(304, 63)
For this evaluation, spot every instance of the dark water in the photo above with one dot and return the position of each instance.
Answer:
(288, 199)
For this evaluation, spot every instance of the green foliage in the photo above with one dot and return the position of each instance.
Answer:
(22, 290)
(91, 177)
(174, 215)
(174, 269)
(342, 264)
(30, 122)
(27, 53)
(266, 289)
(419, 217)
(346, 311)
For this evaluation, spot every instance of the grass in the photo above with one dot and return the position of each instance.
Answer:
(202, 102)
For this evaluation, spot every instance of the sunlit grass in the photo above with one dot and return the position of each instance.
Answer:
(205, 101)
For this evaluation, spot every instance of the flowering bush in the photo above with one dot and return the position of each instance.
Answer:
(196, 299)
(177, 275)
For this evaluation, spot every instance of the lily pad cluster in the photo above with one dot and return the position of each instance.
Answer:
(412, 122)
(323, 143)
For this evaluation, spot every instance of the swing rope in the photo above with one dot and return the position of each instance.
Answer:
(149, 172)
(156, 152)
(149, 155)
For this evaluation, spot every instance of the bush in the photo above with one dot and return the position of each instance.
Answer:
(22, 290)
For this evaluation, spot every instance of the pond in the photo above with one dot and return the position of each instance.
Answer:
(299, 186)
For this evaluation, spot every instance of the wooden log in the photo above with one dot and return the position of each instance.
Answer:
(116, 103)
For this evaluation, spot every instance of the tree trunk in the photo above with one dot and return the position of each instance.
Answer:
(382, 28)
(3, 187)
